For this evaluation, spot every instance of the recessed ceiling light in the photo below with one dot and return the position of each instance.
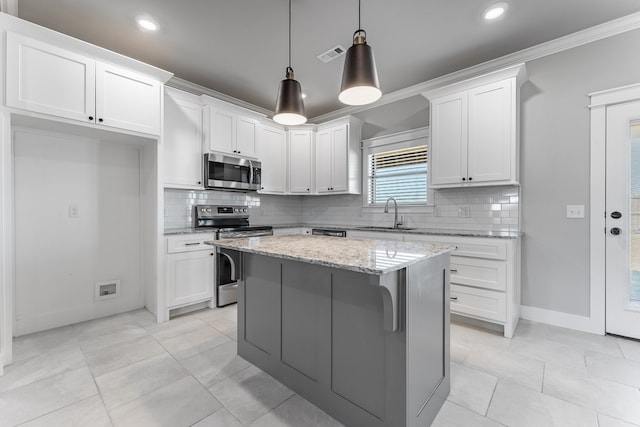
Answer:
(495, 11)
(147, 24)
(304, 96)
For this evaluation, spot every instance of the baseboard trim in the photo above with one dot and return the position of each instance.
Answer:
(563, 320)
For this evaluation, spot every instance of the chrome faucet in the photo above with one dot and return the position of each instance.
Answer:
(396, 223)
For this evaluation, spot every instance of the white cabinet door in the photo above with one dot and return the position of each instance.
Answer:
(324, 162)
(127, 100)
(491, 132)
(46, 79)
(182, 141)
(340, 161)
(222, 130)
(246, 137)
(300, 158)
(448, 159)
(190, 277)
(272, 157)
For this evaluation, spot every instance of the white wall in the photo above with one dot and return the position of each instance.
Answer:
(555, 166)
(59, 259)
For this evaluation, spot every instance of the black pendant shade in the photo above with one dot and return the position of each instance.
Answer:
(289, 105)
(360, 83)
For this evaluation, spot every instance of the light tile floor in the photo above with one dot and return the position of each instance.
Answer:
(126, 370)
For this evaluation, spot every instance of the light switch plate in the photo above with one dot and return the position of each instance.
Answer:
(74, 211)
(575, 211)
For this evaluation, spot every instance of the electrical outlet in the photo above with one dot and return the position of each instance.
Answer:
(74, 211)
(464, 212)
(575, 211)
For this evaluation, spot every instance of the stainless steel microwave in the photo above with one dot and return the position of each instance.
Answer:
(231, 173)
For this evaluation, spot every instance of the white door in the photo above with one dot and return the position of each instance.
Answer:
(49, 80)
(272, 157)
(324, 162)
(623, 220)
(127, 100)
(491, 132)
(246, 137)
(182, 142)
(449, 135)
(340, 142)
(300, 146)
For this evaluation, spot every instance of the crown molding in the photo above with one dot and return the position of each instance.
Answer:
(580, 38)
(178, 83)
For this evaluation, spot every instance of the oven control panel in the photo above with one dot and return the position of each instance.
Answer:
(209, 211)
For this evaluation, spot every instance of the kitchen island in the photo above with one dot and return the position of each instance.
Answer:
(358, 327)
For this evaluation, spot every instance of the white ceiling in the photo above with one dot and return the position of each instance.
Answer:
(239, 47)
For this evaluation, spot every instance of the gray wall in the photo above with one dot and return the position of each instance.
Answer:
(555, 166)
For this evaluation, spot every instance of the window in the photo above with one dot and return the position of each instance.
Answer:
(397, 169)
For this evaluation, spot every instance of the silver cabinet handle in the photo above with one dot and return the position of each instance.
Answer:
(192, 244)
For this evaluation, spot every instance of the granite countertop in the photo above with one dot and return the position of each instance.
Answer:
(362, 255)
(372, 229)
(423, 231)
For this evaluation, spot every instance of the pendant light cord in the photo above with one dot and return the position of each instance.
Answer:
(359, 25)
(290, 34)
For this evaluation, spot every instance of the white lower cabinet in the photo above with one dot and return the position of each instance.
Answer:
(485, 278)
(190, 270)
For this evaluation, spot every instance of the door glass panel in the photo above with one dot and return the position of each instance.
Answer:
(634, 223)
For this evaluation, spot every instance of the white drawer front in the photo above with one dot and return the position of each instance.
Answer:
(480, 303)
(482, 273)
(475, 247)
(189, 242)
(493, 250)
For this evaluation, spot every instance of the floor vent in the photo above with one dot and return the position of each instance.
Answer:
(107, 289)
(332, 54)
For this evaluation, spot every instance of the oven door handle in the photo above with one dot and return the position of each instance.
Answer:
(232, 264)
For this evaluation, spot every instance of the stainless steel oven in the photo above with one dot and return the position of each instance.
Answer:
(231, 173)
(229, 222)
(228, 266)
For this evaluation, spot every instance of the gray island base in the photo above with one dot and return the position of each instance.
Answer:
(360, 328)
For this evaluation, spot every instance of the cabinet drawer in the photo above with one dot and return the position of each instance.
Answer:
(493, 250)
(481, 303)
(482, 273)
(475, 247)
(189, 242)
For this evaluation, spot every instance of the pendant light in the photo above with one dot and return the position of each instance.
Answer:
(360, 84)
(289, 105)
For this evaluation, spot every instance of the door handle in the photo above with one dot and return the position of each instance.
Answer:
(615, 231)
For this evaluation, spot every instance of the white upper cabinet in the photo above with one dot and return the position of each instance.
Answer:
(182, 140)
(474, 130)
(50, 80)
(300, 161)
(229, 130)
(338, 157)
(127, 100)
(272, 157)
(247, 136)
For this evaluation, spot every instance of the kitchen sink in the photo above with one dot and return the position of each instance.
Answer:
(378, 228)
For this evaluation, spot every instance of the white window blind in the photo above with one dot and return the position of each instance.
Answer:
(400, 173)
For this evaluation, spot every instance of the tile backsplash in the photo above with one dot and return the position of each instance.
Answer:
(478, 209)
(264, 209)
